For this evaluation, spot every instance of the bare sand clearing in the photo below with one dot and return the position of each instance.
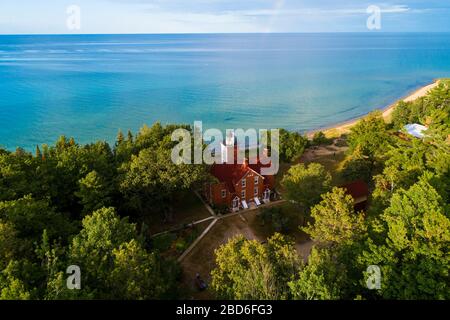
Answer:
(344, 128)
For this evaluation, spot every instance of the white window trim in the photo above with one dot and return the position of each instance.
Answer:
(256, 191)
(244, 183)
(243, 194)
(256, 180)
(224, 193)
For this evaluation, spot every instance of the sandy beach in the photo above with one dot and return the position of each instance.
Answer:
(343, 128)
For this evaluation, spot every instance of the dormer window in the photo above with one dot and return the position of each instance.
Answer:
(244, 183)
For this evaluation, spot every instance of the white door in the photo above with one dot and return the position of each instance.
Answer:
(266, 197)
(236, 204)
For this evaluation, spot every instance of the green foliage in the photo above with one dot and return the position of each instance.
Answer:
(319, 138)
(12, 287)
(370, 135)
(335, 220)
(92, 248)
(292, 145)
(44, 195)
(13, 175)
(163, 242)
(137, 275)
(321, 279)
(247, 269)
(276, 218)
(113, 261)
(305, 185)
(413, 255)
(357, 167)
(9, 243)
(408, 223)
(94, 192)
(420, 110)
(151, 179)
(31, 217)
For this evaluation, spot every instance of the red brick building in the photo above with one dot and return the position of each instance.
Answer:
(238, 185)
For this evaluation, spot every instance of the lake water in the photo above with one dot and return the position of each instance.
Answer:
(89, 86)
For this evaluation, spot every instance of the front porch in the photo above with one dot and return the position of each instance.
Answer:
(238, 204)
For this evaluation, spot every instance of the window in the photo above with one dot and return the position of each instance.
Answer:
(243, 195)
(244, 183)
(224, 193)
(256, 179)
(256, 191)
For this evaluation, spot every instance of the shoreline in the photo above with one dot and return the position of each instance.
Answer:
(341, 128)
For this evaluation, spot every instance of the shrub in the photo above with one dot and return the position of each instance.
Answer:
(319, 138)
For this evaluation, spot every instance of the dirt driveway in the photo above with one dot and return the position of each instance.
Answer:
(201, 258)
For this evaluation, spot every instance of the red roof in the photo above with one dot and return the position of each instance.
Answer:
(231, 174)
(357, 189)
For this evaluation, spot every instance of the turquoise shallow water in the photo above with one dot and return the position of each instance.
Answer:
(90, 86)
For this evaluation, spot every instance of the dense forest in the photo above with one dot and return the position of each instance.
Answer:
(88, 205)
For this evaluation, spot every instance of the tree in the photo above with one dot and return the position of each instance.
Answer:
(413, 249)
(323, 278)
(276, 217)
(151, 180)
(31, 217)
(405, 163)
(420, 110)
(137, 274)
(113, 261)
(357, 167)
(370, 135)
(438, 139)
(14, 173)
(38, 153)
(94, 192)
(305, 185)
(247, 269)
(120, 138)
(292, 145)
(319, 138)
(9, 243)
(11, 287)
(129, 136)
(335, 219)
(92, 248)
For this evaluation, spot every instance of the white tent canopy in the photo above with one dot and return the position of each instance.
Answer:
(416, 130)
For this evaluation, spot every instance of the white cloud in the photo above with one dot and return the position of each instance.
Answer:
(319, 11)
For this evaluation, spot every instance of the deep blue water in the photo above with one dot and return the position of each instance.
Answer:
(90, 86)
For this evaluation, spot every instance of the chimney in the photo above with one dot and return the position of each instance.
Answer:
(245, 164)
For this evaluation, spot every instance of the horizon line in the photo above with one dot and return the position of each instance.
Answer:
(220, 33)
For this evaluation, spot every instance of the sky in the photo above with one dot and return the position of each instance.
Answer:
(218, 16)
